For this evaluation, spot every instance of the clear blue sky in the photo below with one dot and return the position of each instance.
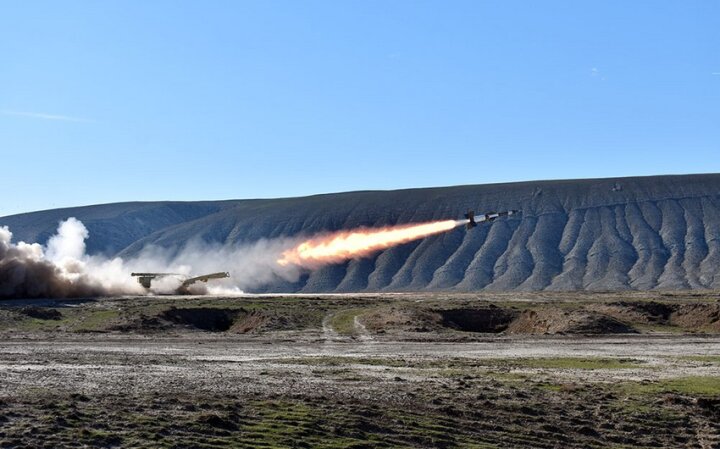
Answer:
(104, 101)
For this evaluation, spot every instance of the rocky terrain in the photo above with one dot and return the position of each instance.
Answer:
(601, 234)
(537, 370)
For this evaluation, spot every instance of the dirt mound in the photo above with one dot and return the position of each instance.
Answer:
(692, 317)
(494, 319)
(215, 319)
(41, 313)
(703, 316)
(407, 319)
(641, 312)
(143, 324)
(205, 318)
(217, 422)
(210, 319)
(491, 319)
(248, 322)
(556, 321)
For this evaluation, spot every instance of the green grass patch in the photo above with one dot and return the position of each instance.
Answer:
(342, 361)
(464, 366)
(691, 385)
(29, 324)
(284, 424)
(715, 359)
(550, 386)
(96, 320)
(79, 319)
(591, 363)
(35, 324)
(343, 322)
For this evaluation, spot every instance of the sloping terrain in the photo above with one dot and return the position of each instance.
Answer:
(112, 227)
(599, 234)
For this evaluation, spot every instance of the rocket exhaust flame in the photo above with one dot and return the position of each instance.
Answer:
(62, 269)
(343, 245)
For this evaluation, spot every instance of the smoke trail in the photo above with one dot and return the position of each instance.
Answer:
(62, 269)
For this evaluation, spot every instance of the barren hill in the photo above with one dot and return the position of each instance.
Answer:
(660, 232)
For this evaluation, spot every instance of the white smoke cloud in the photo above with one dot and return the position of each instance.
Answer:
(62, 268)
(69, 242)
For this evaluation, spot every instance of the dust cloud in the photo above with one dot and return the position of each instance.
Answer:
(63, 269)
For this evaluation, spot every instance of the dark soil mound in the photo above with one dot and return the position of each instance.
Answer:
(492, 319)
(642, 311)
(205, 318)
(599, 324)
(404, 319)
(553, 320)
(487, 320)
(41, 313)
(217, 422)
(248, 322)
(697, 316)
(143, 324)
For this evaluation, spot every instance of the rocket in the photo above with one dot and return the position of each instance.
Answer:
(490, 216)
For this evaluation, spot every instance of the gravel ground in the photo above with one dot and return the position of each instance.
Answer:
(324, 379)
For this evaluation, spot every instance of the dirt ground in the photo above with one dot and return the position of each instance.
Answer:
(363, 371)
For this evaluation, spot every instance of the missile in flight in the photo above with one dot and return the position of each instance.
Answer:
(490, 216)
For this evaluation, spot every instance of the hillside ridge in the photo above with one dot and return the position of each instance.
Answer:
(640, 233)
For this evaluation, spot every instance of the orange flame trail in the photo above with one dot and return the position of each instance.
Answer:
(344, 245)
